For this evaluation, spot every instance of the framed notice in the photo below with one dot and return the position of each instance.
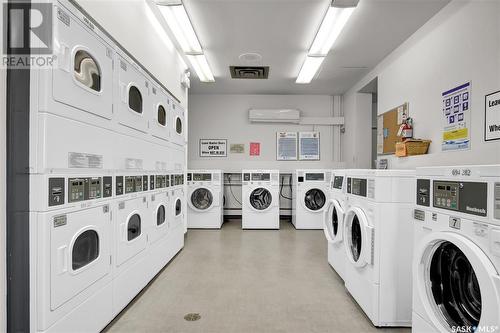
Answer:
(456, 118)
(492, 117)
(286, 146)
(237, 148)
(309, 146)
(213, 148)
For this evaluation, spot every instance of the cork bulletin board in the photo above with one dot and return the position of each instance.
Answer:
(387, 129)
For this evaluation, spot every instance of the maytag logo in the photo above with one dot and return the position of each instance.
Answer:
(476, 210)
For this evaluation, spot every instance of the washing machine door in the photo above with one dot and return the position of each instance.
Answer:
(314, 200)
(457, 283)
(202, 199)
(358, 235)
(83, 75)
(79, 252)
(260, 199)
(333, 222)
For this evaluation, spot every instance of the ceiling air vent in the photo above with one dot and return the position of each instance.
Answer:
(249, 72)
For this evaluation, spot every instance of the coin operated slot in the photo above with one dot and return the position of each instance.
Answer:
(246, 177)
(94, 188)
(151, 182)
(76, 189)
(107, 187)
(56, 191)
(349, 185)
(129, 184)
(189, 177)
(423, 192)
(119, 185)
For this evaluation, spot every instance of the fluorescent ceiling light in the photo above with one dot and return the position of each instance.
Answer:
(178, 21)
(333, 23)
(309, 69)
(201, 67)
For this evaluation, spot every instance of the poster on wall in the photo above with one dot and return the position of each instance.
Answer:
(286, 146)
(254, 148)
(237, 148)
(456, 118)
(213, 147)
(492, 117)
(309, 146)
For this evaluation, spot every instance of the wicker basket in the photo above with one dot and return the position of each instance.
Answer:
(412, 147)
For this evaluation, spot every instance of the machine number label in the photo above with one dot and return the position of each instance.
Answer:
(419, 215)
(60, 220)
(455, 223)
(463, 172)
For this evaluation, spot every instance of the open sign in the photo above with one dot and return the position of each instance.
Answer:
(213, 148)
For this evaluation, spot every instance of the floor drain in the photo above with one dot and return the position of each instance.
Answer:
(192, 317)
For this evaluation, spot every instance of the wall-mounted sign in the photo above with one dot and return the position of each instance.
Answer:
(492, 117)
(309, 146)
(237, 148)
(254, 148)
(213, 148)
(456, 118)
(286, 146)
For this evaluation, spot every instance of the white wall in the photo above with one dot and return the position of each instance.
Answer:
(460, 44)
(3, 148)
(134, 25)
(226, 117)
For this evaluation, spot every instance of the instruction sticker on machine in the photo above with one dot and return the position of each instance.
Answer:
(213, 148)
(309, 146)
(456, 118)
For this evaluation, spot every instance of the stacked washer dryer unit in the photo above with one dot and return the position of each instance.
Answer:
(333, 221)
(310, 194)
(260, 196)
(456, 267)
(205, 199)
(377, 234)
(93, 204)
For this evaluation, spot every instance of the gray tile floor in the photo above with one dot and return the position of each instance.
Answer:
(247, 281)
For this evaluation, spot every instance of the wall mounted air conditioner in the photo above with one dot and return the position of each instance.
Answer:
(274, 116)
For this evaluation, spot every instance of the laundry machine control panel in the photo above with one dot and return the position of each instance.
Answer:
(161, 181)
(317, 176)
(107, 187)
(202, 177)
(338, 181)
(465, 197)
(261, 177)
(357, 186)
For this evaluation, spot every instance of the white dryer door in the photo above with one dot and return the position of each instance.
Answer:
(457, 283)
(358, 237)
(333, 222)
(79, 252)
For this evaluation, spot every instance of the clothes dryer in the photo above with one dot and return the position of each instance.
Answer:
(456, 266)
(377, 232)
(310, 195)
(334, 221)
(205, 199)
(260, 195)
(71, 252)
(178, 128)
(178, 201)
(160, 124)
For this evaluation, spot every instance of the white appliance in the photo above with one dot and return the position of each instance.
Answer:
(205, 199)
(178, 129)
(456, 281)
(377, 238)
(160, 124)
(260, 196)
(71, 251)
(311, 189)
(178, 200)
(131, 220)
(333, 221)
(274, 116)
(159, 207)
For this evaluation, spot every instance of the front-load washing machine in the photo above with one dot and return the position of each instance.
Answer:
(71, 252)
(333, 222)
(310, 195)
(131, 226)
(205, 199)
(377, 234)
(456, 266)
(260, 196)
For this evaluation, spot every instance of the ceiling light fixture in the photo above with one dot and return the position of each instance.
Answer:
(178, 21)
(332, 25)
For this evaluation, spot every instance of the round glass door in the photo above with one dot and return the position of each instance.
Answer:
(202, 198)
(261, 198)
(160, 215)
(85, 249)
(86, 70)
(454, 286)
(314, 199)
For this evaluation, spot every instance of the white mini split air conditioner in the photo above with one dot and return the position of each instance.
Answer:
(274, 116)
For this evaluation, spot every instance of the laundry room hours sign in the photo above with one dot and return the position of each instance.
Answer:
(213, 148)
